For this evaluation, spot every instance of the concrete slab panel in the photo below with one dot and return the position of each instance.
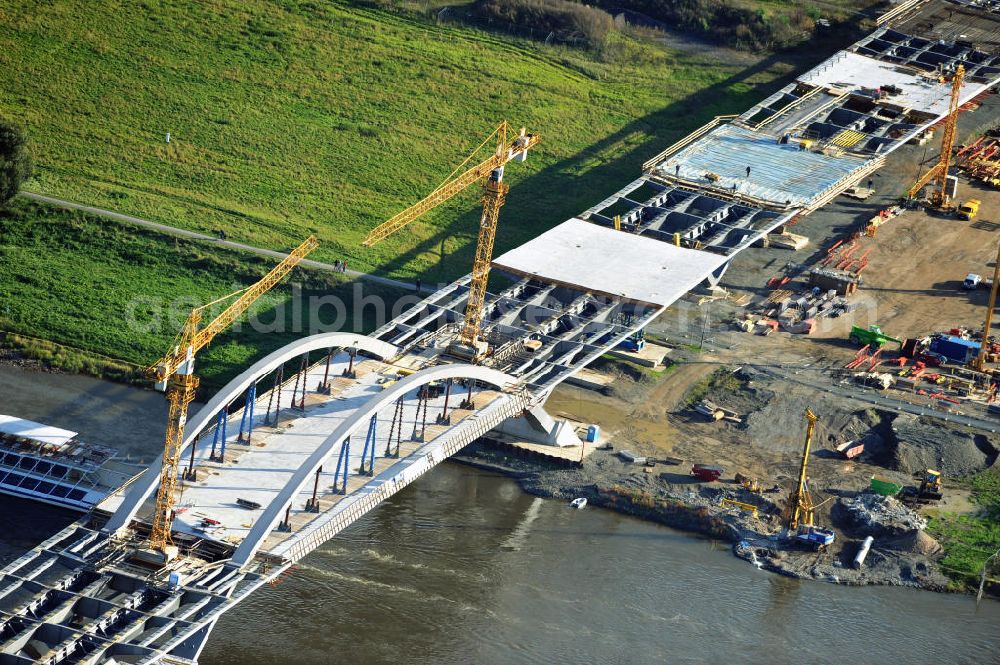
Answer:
(850, 71)
(612, 263)
(29, 429)
(783, 174)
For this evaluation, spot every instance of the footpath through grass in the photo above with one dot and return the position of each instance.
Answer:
(123, 292)
(296, 116)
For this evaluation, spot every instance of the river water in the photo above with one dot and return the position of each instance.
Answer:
(462, 567)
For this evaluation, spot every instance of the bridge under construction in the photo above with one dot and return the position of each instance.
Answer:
(277, 463)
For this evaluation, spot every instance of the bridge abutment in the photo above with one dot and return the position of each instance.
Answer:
(537, 426)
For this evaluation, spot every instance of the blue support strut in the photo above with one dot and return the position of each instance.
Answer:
(224, 416)
(252, 399)
(371, 460)
(247, 408)
(220, 423)
(369, 446)
(342, 461)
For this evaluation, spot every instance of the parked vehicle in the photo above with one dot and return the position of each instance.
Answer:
(969, 209)
(851, 449)
(872, 335)
(931, 359)
(955, 348)
(706, 472)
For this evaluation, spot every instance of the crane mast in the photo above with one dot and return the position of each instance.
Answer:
(979, 363)
(174, 373)
(802, 504)
(494, 192)
(939, 172)
(490, 171)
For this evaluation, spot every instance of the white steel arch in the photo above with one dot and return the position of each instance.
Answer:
(142, 488)
(267, 521)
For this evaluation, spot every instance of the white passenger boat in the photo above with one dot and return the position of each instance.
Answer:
(579, 502)
(48, 464)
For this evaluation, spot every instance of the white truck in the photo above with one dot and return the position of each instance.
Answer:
(974, 281)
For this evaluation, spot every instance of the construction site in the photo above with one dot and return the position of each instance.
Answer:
(778, 335)
(865, 302)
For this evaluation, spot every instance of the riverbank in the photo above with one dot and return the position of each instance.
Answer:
(45, 356)
(908, 559)
(462, 566)
(107, 299)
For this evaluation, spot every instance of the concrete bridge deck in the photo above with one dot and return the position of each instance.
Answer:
(257, 470)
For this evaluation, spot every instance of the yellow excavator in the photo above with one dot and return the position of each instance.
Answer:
(930, 486)
(930, 489)
(749, 483)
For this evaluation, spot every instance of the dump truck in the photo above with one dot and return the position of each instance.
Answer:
(873, 336)
(851, 448)
(969, 209)
(706, 472)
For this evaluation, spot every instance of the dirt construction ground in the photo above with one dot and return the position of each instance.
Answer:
(912, 287)
(915, 283)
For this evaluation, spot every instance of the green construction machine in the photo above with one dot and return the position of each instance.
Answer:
(873, 336)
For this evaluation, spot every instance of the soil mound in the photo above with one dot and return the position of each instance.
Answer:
(923, 443)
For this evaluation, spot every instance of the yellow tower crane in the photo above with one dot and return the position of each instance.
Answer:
(939, 172)
(490, 172)
(174, 374)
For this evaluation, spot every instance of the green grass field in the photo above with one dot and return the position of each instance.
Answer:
(969, 540)
(124, 292)
(298, 116)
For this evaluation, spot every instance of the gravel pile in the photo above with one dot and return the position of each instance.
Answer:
(930, 444)
(916, 542)
(779, 424)
(879, 516)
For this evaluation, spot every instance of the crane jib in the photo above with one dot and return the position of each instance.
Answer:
(515, 150)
